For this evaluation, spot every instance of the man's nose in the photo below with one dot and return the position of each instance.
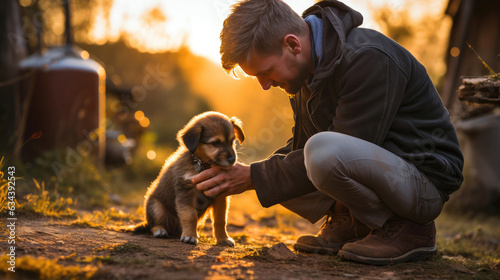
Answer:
(265, 83)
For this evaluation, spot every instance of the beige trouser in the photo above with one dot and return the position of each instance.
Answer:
(371, 181)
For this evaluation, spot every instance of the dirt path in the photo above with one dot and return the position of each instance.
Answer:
(82, 253)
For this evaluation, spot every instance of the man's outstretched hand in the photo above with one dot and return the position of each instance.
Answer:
(219, 181)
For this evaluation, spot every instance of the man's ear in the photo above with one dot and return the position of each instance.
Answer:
(237, 129)
(292, 42)
(190, 137)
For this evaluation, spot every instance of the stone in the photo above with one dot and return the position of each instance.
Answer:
(281, 252)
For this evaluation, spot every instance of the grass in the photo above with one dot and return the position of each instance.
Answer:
(37, 203)
(106, 219)
(4, 186)
(45, 203)
(117, 254)
(123, 248)
(83, 180)
(468, 245)
(476, 238)
(45, 269)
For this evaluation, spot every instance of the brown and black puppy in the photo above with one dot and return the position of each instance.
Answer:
(173, 204)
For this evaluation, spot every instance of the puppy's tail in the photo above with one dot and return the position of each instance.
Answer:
(141, 229)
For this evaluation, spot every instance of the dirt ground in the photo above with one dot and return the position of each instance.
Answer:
(62, 249)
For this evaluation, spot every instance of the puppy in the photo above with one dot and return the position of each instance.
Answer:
(173, 204)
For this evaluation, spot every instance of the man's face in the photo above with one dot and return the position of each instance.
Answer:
(285, 71)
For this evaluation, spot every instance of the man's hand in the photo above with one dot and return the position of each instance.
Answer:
(218, 181)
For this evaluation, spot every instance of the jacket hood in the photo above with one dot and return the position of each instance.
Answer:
(338, 19)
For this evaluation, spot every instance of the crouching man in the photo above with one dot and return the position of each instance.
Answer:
(373, 147)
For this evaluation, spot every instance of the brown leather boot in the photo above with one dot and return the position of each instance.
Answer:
(399, 240)
(338, 229)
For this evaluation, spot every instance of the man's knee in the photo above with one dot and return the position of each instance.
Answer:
(323, 156)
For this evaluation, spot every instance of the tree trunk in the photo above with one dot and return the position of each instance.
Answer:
(12, 50)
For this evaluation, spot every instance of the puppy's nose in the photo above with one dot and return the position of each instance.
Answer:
(231, 159)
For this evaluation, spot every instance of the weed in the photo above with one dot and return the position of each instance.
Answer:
(493, 74)
(4, 187)
(45, 203)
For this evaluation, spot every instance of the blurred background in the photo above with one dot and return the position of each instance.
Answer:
(109, 83)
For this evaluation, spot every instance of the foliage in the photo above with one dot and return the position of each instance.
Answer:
(425, 36)
(144, 168)
(82, 178)
(47, 17)
(153, 83)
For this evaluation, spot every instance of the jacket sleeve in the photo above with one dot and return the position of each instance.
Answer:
(280, 178)
(371, 88)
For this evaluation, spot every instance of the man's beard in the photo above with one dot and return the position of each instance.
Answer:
(294, 86)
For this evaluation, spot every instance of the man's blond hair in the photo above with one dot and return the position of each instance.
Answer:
(260, 25)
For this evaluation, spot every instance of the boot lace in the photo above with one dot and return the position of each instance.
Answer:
(333, 219)
(388, 229)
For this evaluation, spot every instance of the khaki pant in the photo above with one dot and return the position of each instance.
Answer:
(371, 181)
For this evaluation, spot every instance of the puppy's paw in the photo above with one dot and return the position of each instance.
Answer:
(189, 240)
(160, 233)
(229, 242)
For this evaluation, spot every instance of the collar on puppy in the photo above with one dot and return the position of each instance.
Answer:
(199, 166)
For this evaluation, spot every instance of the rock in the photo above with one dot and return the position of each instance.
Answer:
(281, 252)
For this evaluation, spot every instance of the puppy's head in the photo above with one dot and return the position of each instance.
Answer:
(211, 137)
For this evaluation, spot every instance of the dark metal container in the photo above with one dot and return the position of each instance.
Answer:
(67, 102)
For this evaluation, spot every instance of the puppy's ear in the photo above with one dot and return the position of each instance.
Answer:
(190, 136)
(237, 124)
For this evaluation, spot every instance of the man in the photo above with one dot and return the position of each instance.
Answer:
(372, 148)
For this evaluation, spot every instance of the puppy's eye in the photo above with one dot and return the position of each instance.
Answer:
(216, 143)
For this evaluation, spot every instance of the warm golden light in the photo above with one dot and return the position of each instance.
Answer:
(144, 122)
(167, 25)
(139, 115)
(25, 3)
(101, 72)
(151, 154)
(455, 52)
(85, 55)
(93, 136)
(102, 88)
(122, 138)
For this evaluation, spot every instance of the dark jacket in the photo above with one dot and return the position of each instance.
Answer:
(367, 86)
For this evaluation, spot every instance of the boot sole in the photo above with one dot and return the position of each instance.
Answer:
(315, 250)
(413, 255)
